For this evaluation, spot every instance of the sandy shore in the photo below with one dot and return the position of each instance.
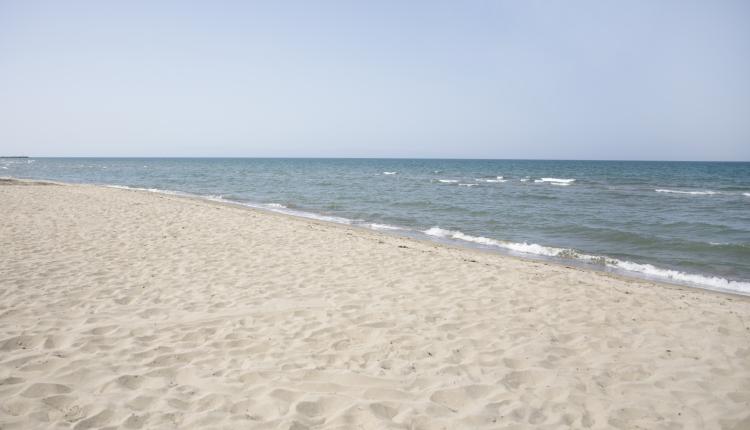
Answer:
(129, 309)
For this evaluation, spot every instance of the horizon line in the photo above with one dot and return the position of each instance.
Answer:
(377, 158)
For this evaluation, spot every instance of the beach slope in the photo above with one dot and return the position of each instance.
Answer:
(122, 308)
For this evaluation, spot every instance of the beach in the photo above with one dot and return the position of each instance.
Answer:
(132, 309)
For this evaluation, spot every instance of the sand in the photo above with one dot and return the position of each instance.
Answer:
(130, 309)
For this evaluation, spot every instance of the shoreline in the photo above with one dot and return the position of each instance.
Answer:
(146, 310)
(579, 266)
(410, 234)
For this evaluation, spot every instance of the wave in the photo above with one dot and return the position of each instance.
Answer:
(375, 226)
(467, 185)
(154, 190)
(529, 248)
(742, 247)
(650, 271)
(448, 181)
(275, 207)
(710, 282)
(746, 194)
(555, 180)
(706, 193)
(299, 213)
(499, 179)
(390, 173)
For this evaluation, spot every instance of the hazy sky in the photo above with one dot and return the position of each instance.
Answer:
(653, 79)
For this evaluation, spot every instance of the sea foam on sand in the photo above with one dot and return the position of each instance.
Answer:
(133, 309)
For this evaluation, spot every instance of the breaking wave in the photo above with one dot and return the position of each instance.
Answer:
(555, 181)
(650, 271)
(697, 193)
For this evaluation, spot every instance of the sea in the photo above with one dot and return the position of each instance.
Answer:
(685, 223)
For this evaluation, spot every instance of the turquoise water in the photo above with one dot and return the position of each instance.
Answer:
(682, 222)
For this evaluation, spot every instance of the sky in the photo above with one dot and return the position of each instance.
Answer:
(635, 80)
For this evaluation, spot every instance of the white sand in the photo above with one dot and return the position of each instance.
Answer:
(128, 309)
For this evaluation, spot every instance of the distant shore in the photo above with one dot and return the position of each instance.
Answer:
(144, 310)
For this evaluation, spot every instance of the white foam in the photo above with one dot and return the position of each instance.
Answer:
(746, 194)
(709, 282)
(438, 232)
(713, 282)
(560, 184)
(467, 185)
(707, 192)
(448, 181)
(527, 248)
(390, 173)
(498, 180)
(329, 218)
(275, 207)
(150, 190)
(555, 180)
(524, 179)
(376, 226)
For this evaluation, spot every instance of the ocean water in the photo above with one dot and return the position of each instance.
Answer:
(681, 222)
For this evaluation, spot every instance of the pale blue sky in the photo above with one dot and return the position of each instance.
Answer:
(467, 79)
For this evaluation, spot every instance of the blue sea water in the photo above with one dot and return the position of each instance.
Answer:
(680, 222)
